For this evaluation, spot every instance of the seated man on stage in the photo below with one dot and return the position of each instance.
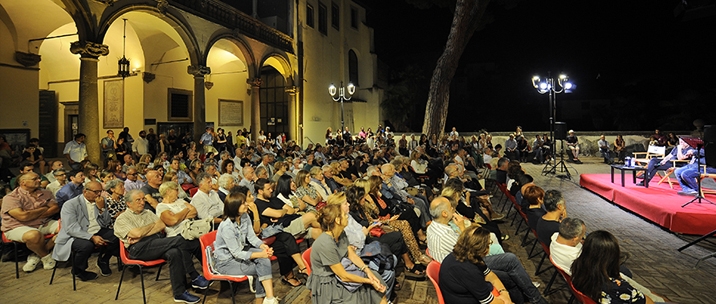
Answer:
(573, 144)
(682, 152)
(688, 175)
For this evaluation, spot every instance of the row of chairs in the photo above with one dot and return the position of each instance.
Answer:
(509, 198)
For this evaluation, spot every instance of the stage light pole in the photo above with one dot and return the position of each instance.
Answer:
(339, 94)
(548, 86)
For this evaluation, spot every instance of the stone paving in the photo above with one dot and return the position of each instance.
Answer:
(654, 261)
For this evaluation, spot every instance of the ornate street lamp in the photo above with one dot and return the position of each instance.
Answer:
(339, 94)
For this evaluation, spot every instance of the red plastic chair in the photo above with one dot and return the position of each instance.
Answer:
(139, 263)
(193, 191)
(580, 296)
(306, 256)
(207, 250)
(8, 241)
(433, 272)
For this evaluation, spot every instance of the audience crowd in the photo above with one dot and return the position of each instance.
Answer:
(367, 202)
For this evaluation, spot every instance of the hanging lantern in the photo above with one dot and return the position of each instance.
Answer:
(123, 64)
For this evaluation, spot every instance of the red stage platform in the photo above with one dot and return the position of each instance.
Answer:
(659, 203)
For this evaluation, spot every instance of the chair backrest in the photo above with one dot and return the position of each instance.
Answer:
(433, 272)
(306, 256)
(654, 150)
(123, 252)
(427, 252)
(207, 249)
(567, 278)
(580, 296)
(193, 191)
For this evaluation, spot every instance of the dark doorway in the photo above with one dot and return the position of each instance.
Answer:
(274, 103)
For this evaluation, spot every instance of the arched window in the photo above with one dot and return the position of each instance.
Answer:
(353, 68)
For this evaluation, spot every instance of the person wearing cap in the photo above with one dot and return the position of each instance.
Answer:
(573, 144)
(60, 176)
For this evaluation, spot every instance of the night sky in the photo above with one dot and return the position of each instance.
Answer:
(637, 55)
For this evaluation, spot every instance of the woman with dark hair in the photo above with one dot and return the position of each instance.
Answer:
(620, 147)
(284, 192)
(330, 256)
(534, 197)
(195, 168)
(227, 167)
(220, 140)
(355, 196)
(304, 191)
(464, 276)
(376, 209)
(120, 149)
(237, 250)
(596, 272)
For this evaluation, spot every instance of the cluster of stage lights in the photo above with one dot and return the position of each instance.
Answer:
(546, 85)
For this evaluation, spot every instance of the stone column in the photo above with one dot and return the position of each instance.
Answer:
(89, 94)
(292, 114)
(198, 71)
(255, 107)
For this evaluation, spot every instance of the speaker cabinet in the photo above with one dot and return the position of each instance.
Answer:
(560, 130)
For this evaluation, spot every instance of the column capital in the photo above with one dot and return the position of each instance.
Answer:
(89, 49)
(256, 82)
(292, 90)
(198, 70)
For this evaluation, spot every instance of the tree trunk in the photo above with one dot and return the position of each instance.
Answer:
(465, 21)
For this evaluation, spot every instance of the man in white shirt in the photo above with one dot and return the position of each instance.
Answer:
(249, 179)
(567, 243)
(84, 227)
(133, 182)
(141, 145)
(76, 151)
(207, 201)
(54, 165)
(60, 176)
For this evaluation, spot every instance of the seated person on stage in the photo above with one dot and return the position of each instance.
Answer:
(26, 218)
(548, 224)
(688, 175)
(573, 145)
(85, 225)
(682, 152)
(596, 272)
(442, 238)
(207, 201)
(604, 149)
(140, 231)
